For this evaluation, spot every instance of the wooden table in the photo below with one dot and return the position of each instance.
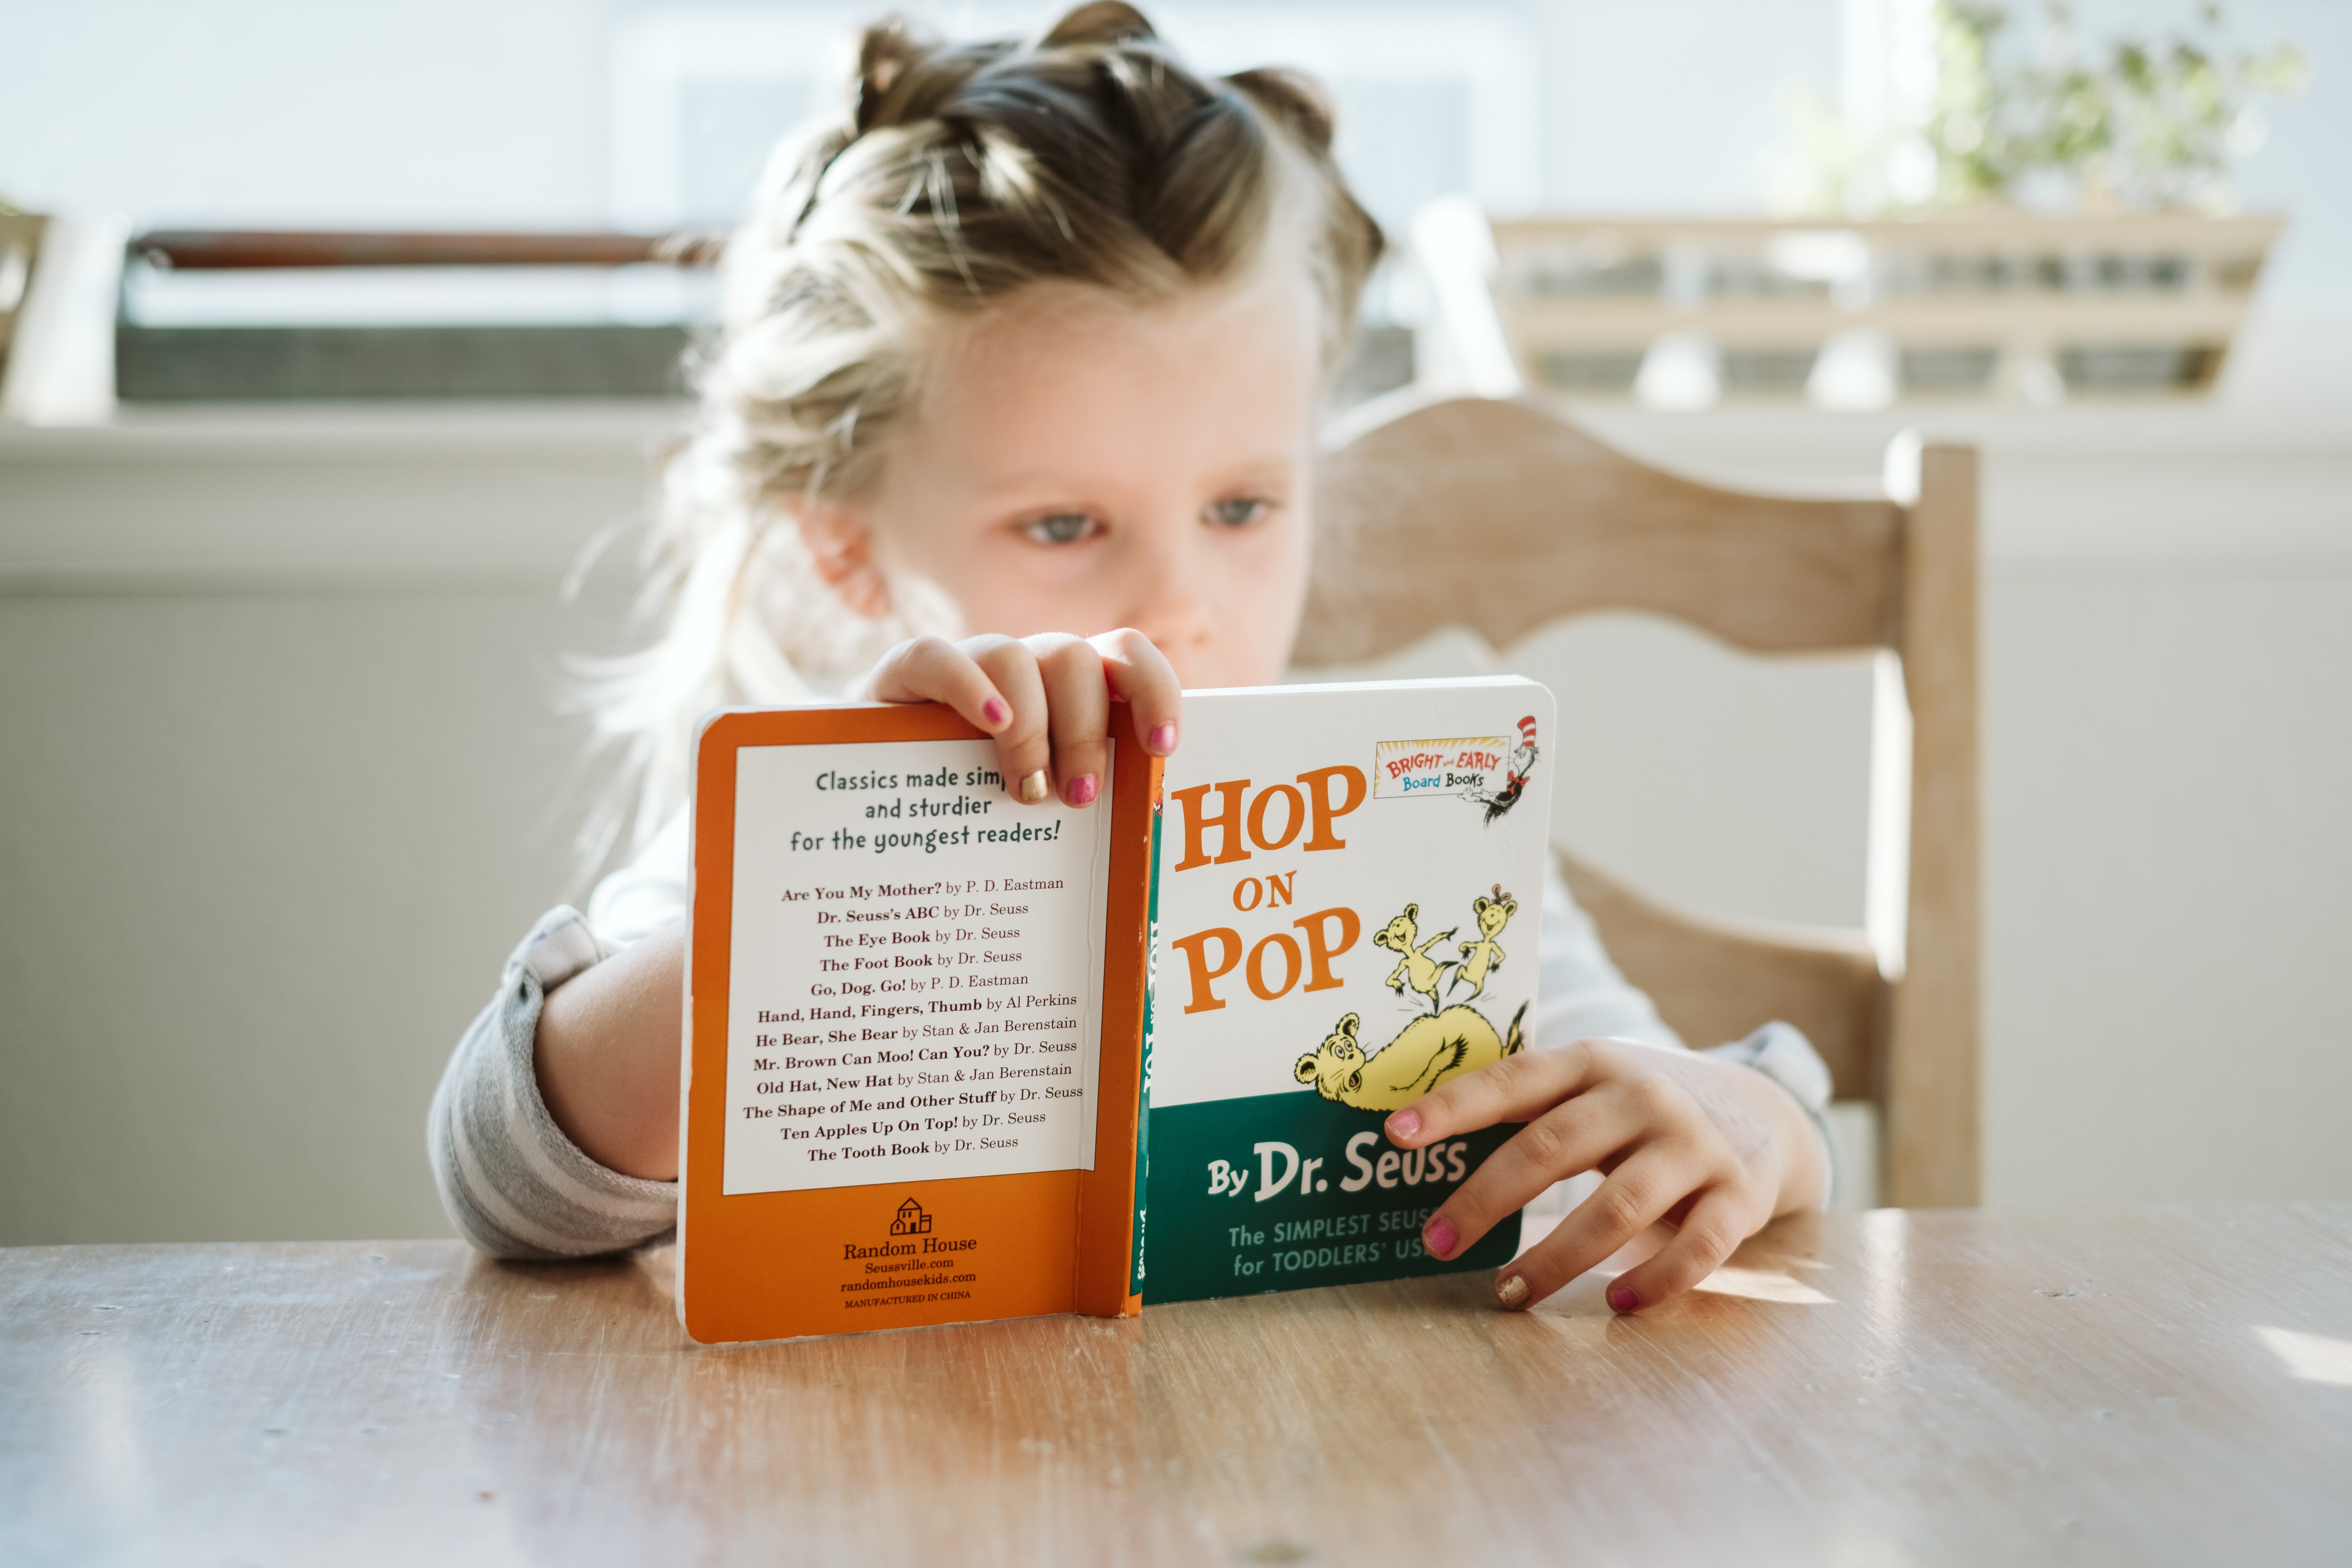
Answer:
(2141, 1385)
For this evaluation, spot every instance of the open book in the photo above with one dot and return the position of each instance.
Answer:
(953, 1058)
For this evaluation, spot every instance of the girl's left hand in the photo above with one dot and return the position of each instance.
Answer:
(1708, 1146)
(1046, 698)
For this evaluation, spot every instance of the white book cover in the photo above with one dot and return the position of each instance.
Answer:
(1347, 895)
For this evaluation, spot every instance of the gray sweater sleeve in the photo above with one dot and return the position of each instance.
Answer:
(512, 1184)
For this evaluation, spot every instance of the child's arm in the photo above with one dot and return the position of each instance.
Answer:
(606, 1054)
(606, 1050)
(511, 1181)
(1708, 1146)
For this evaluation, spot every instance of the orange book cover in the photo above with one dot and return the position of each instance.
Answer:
(914, 1018)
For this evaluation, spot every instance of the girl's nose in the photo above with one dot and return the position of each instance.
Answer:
(1171, 604)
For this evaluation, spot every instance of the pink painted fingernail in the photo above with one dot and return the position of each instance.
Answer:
(1083, 790)
(994, 710)
(1405, 1123)
(1163, 739)
(1622, 1299)
(1439, 1237)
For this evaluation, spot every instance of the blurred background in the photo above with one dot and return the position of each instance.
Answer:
(291, 557)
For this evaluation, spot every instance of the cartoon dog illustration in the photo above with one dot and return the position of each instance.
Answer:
(1431, 1049)
(1483, 957)
(1415, 967)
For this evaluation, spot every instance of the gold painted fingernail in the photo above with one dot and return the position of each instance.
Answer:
(1033, 788)
(1511, 1292)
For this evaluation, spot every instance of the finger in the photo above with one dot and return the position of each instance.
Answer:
(1078, 714)
(1655, 1179)
(1722, 1218)
(932, 669)
(1140, 676)
(1023, 750)
(1566, 1141)
(1520, 1088)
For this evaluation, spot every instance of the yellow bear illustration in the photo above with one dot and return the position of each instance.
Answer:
(1431, 1049)
(1415, 967)
(1483, 957)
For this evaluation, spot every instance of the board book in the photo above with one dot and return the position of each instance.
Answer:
(952, 1057)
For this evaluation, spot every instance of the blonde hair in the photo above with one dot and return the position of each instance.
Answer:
(956, 175)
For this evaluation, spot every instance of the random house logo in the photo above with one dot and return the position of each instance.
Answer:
(908, 1265)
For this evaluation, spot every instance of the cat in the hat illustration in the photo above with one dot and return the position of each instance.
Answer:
(1514, 781)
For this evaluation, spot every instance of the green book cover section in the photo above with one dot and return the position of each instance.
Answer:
(1347, 892)
(1283, 1190)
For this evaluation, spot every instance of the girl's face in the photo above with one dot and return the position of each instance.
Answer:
(1079, 464)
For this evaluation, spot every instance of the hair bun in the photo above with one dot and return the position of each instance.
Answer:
(886, 52)
(1297, 99)
(1100, 22)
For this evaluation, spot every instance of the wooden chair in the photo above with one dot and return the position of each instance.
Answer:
(1591, 529)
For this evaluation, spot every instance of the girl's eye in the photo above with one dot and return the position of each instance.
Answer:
(1062, 528)
(1238, 511)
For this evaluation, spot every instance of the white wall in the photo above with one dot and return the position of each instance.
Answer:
(280, 783)
(261, 854)
(2169, 884)
(282, 112)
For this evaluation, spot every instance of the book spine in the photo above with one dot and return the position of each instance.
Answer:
(1143, 1107)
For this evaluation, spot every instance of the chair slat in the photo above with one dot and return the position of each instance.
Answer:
(1502, 517)
(1717, 980)
(1934, 1141)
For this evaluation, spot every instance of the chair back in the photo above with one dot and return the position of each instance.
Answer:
(1502, 517)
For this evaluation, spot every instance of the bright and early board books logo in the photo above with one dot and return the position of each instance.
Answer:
(1491, 771)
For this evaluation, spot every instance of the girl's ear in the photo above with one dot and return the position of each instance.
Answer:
(840, 547)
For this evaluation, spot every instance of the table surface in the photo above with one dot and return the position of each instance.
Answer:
(2164, 1384)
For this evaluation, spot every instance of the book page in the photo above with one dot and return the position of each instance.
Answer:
(916, 969)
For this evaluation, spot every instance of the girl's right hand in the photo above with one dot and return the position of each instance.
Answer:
(1047, 700)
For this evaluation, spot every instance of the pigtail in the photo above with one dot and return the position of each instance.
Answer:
(1294, 99)
(886, 52)
(1352, 243)
(1102, 22)
(1303, 108)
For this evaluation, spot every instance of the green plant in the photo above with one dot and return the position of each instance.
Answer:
(2151, 125)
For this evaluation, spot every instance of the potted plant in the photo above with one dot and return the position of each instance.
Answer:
(2149, 126)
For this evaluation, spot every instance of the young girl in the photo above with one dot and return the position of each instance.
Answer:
(1018, 381)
